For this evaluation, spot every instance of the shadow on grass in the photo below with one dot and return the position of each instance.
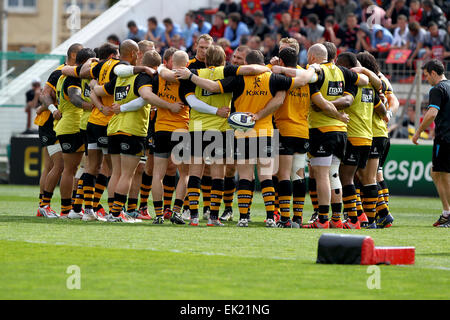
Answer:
(438, 254)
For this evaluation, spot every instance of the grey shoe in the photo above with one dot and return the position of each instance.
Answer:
(158, 220)
(243, 223)
(215, 223)
(177, 219)
(270, 223)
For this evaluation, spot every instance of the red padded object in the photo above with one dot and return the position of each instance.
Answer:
(394, 255)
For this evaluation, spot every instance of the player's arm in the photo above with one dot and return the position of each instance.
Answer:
(343, 102)
(75, 97)
(353, 78)
(147, 94)
(374, 80)
(301, 77)
(209, 85)
(328, 108)
(167, 74)
(252, 70)
(203, 107)
(380, 108)
(272, 106)
(88, 70)
(126, 71)
(436, 99)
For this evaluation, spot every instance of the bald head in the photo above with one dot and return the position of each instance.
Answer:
(180, 59)
(317, 53)
(129, 50)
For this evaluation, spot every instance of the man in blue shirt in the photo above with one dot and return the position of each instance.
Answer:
(189, 29)
(155, 31)
(235, 29)
(204, 27)
(171, 30)
(134, 32)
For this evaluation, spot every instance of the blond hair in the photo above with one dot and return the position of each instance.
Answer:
(151, 59)
(205, 37)
(146, 45)
(292, 43)
(215, 56)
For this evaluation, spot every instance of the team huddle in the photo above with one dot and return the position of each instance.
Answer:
(130, 122)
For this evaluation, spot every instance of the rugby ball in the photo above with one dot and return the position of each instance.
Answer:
(241, 121)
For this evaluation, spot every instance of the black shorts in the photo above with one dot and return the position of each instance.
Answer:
(47, 137)
(356, 156)
(166, 141)
(325, 144)
(380, 149)
(85, 140)
(71, 143)
(97, 135)
(212, 145)
(126, 145)
(441, 156)
(253, 148)
(291, 145)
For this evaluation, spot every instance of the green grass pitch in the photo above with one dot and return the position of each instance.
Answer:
(143, 261)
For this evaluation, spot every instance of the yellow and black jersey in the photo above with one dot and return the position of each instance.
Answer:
(291, 119)
(379, 126)
(359, 128)
(86, 96)
(334, 82)
(195, 64)
(103, 72)
(252, 93)
(124, 90)
(45, 119)
(71, 115)
(172, 92)
(218, 100)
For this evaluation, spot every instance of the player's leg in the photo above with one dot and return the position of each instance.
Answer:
(206, 185)
(146, 187)
(217, 190)
(229, 191)
(133, 195)
(48, 164)
(194, 188)
(312, 190)
(71, 163)
(52, 179)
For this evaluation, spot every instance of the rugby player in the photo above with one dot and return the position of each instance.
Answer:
(46, 113)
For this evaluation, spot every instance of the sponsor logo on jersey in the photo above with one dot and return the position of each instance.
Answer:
(367, 95)
(122, 92)
(335, 88)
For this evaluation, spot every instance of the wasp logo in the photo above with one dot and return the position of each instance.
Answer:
(166, 86)
(256, 83)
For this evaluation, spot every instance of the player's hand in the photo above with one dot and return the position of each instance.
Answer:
(358, 69)
(107, 111)
(116, 108)
(253, 116)
(183, 74)
(415, 138)
(151, 72)
(57, 115)
(277, 69)
(39, 110)
(93, 83)
(176, 107)
(223, 112)
(275, 61)
(344, 117)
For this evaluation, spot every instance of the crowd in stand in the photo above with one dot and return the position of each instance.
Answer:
(376, 26)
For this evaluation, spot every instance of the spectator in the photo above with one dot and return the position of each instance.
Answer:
(228, 6)
(371, 10)
(267, 6)
(260, 28)
(280, 7)
(447, 45)
(114, 39)
(171, 29)
(415, 11)
(270, 47)
(218, 27)
(350, 33)
(432, 12)
(343, 8)
(226, 46)
(328, 9)
(32, 98)
(190, 28)
(286, 20)
(396, 9)
(314, 31)
(244, 40)
(333, 32)
(192, 50)
(401, 33)
(381, 40)
(204, 27)
(296, 26)
(295, 10)
(178, 42)
(415, 42)
(135, 32)
(428, 133)
(155, 31)
(235, 29)
(434, 42)
(310, 7)
(255, 43)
